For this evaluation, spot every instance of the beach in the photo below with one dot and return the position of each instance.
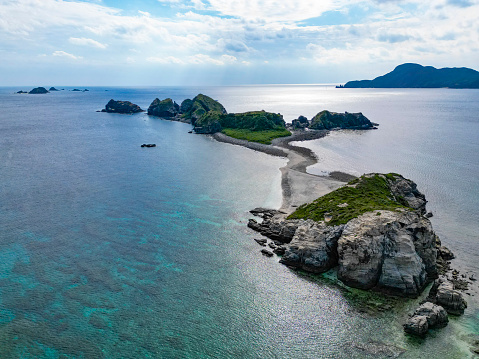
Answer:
(298, 186)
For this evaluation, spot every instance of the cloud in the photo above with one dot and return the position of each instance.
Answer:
(66, 55)
(82, 41)
(460, 3)
(275, 10)
(165, 60)
(392, 38)
(197, 59)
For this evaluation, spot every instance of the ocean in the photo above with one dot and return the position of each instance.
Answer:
(110, 250)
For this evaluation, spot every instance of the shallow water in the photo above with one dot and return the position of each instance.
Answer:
(116, 251)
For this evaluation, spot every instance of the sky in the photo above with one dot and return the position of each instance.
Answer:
(219, 42)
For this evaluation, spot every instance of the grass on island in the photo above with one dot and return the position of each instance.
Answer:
(368, 194)
(264, 137)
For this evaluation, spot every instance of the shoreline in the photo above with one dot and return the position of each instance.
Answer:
(298, 186)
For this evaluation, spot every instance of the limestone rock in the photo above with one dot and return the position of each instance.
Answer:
(276, 228)
(405, 191)
(393, 252)
(125, 107)
(417, 325)
(313, 247)
(163, 108)
(435, 314)
(451, 299)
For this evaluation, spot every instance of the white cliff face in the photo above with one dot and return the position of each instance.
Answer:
(390, 251)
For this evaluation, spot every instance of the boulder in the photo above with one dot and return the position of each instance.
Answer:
(166, 108)
(449, 298)
(38, 90)
(125, 107)
(261, 241)
(435, 314)
(313, 247)
(417, 325)
(267, 253)
(393, 252)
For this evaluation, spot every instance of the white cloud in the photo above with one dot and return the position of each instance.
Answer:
(83, 41)
(66, 55)
(165, 60)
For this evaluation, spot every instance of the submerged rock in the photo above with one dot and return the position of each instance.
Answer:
(125, 107)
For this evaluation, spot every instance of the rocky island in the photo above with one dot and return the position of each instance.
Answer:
(125, 107)
(416, 76)
(39, 90)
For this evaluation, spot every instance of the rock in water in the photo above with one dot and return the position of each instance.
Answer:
(163, 108)
(435, 314)
(125, 107)
(326, 120)
(451, 299)
(38, 90)
(417, 325)
(394, 252)
(53, 89)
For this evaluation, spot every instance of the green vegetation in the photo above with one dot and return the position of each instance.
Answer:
(256, 126)
(201, 105)
(361, 195)
(256, 136)
(326, 120)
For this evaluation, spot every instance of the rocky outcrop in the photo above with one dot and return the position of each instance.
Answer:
(125, 107)
(53, 89)
(276, 228)
(300, 123)
(166, 108)
(326, 120)
(393, 252)
(405, 192)
(186, 105)
(417, 325)
(199, 106)
(427, 316)
(450, 298)
(313, 247)
(38, 90)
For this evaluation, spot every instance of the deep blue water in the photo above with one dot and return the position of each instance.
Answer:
(116, 251)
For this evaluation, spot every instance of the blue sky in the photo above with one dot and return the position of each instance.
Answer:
(218, 42)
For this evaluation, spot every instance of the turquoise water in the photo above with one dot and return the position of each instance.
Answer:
(109, 250)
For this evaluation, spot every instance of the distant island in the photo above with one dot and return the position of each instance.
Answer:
(417, 76)
(208, 116)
